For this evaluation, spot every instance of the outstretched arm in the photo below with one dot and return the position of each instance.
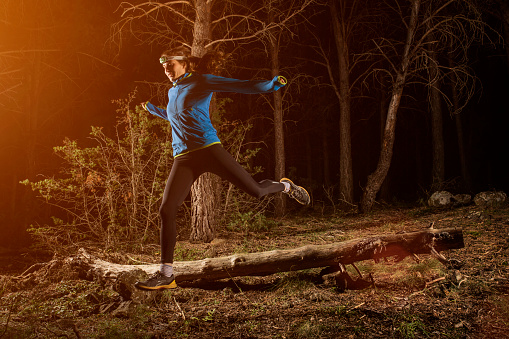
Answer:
(220, 84)
(154, 110)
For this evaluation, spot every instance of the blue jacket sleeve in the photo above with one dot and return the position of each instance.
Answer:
(220, 84)
(157, 111)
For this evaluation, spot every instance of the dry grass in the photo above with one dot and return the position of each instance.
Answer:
(410, 300)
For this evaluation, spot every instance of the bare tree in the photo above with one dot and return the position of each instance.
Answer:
(277, 39)
(431, 27)
(279, 139)
(346, 16)
(435, 107)
(202, 25)
(376, 179)
(342, 29)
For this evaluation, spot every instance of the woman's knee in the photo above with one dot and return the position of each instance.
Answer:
(167, 211)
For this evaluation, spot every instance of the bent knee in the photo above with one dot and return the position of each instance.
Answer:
(168, 211)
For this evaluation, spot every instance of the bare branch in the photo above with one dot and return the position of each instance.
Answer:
(98, 59)
(15, 53)
(328, 66)
(159, 29)
(10, 89)
(156, 6)
(11, 72)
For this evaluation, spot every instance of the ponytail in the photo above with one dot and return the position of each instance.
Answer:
(212, 62)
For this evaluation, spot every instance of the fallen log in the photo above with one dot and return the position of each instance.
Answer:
(429, 241)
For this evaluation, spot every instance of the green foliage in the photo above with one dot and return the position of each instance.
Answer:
(411, 327)
(249, 221)
(111, 191)
(307, 329)
(69, 299)
(210, 315)
(186, 253)
(427, 267)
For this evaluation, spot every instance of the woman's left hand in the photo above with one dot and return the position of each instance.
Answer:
(282, 80)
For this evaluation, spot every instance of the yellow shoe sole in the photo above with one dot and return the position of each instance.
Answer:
(171, 285)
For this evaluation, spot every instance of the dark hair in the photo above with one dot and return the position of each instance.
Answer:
(211, 62)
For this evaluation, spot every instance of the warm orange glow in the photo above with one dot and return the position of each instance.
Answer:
(52, 65)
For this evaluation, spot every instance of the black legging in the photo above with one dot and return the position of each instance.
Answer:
(185, 170)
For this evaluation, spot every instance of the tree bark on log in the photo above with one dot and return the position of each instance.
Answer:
(429, 241)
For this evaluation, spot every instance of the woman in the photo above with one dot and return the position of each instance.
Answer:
(197, 149)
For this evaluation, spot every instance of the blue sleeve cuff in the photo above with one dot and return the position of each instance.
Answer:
(279, 81)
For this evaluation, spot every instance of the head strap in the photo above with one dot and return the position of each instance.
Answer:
(164, 59)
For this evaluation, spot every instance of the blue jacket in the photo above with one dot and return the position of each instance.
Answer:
(188, 107)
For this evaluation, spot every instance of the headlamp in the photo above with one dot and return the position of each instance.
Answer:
(164, 59)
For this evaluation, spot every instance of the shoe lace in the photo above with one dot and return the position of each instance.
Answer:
(154, 276)
(297, 193)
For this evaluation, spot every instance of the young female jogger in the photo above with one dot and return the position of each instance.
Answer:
(197, 149)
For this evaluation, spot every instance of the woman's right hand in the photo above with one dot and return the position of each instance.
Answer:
(144, 105)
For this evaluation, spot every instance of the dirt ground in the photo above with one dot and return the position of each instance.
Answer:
(410, 299)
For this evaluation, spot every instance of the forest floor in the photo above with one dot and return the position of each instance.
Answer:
(410, 299)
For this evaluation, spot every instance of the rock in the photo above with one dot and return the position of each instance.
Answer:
(447, 199)
(490, 199)
(440, 199)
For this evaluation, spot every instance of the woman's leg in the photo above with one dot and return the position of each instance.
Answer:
(221, 163)
(177, 188)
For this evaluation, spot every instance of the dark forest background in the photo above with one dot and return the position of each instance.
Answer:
(60, 69)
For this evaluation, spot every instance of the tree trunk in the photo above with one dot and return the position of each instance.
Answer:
(310, 156)
(429, 241)
(385, 188)
(504, 11)
(438, 165)
(345, 143)
(438, 172)
(279, 138)
(325, 151)
(376, 178)
(204, 191)
(203, 208)
(459, 129)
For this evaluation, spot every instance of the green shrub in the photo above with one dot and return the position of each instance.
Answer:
(249, 221)
(111, 191)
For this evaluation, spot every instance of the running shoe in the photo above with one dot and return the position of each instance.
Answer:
(297, 192)
(157, 281)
